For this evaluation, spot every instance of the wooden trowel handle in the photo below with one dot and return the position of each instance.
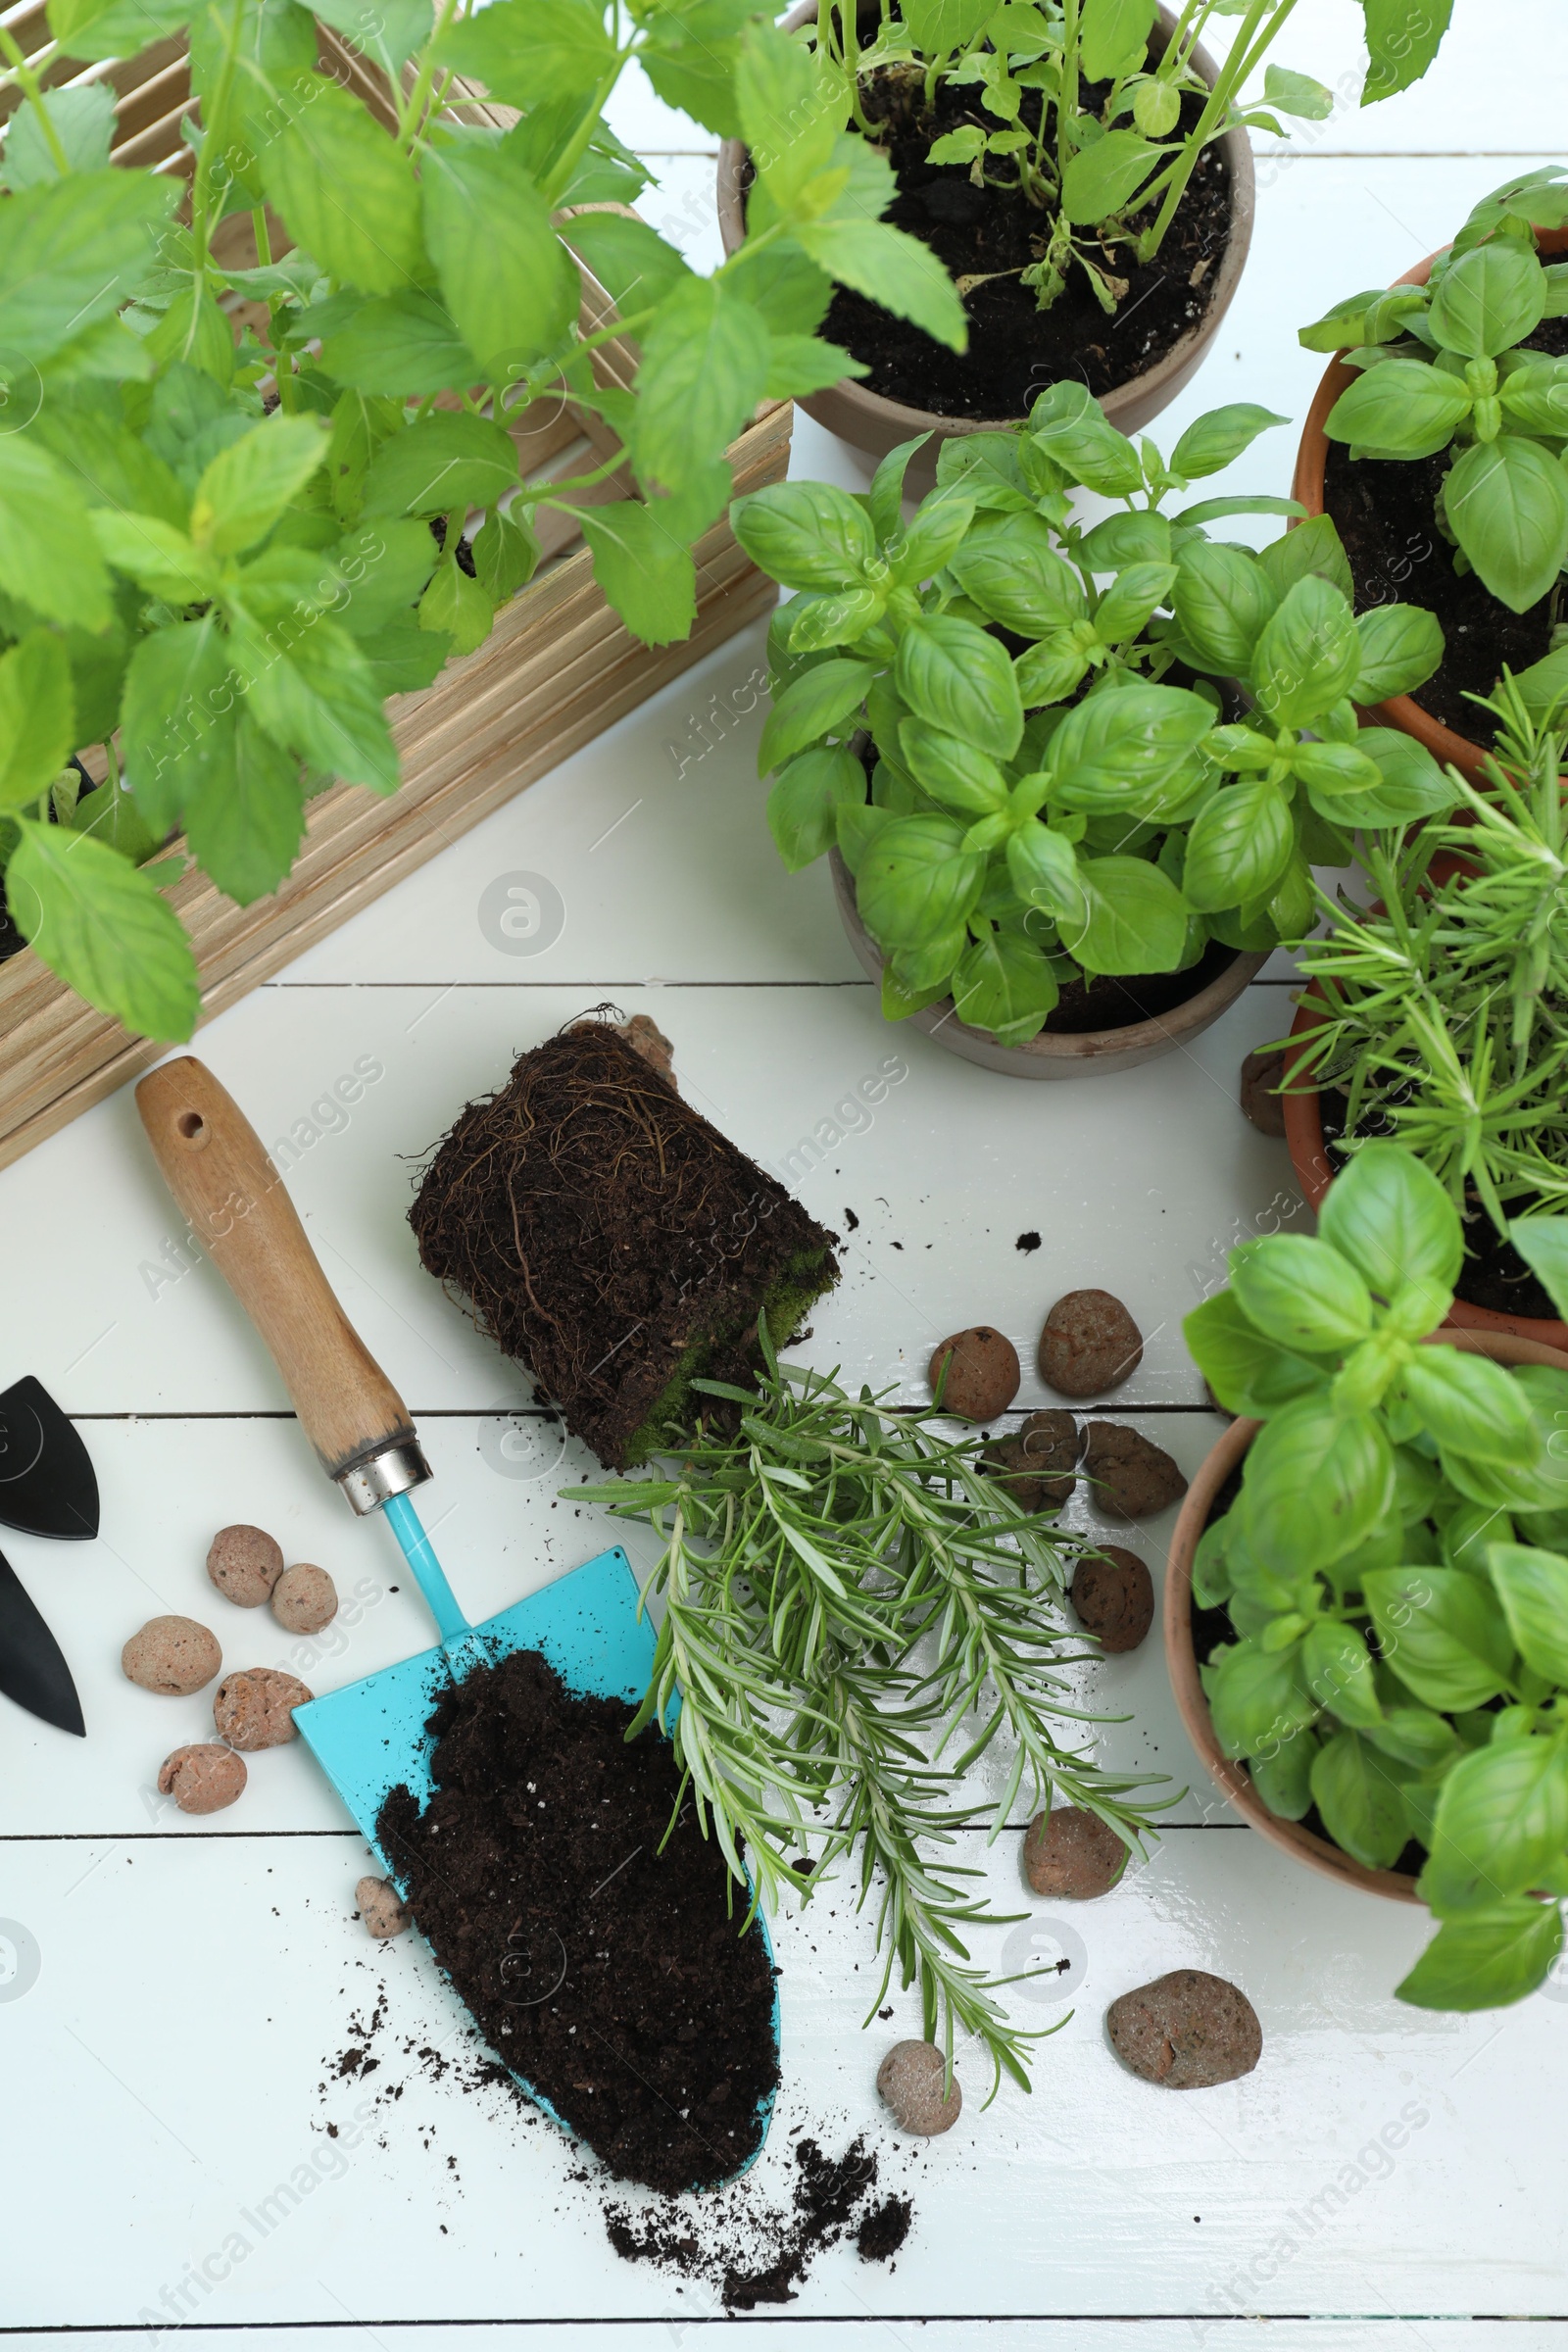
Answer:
(233, 1197)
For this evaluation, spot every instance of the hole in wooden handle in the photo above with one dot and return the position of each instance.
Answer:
(192, 1129)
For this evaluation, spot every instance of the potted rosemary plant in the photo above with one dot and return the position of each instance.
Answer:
(1434, 440)
(226, 546)
(1084, 173)
(1366, 1604)
(1058, 856)
(1435, 1016)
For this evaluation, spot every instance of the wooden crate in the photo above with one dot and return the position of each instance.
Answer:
(558, 667)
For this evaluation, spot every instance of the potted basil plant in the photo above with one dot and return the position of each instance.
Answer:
(1052, 839)
(1436, 438)
(1366, 1608)
(1075, 169)
(223, 549)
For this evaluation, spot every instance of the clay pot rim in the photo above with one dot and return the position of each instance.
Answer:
(1093, 1048)
(1314, 1172)
(1145, 392)
(1400, 710)
(1181, 1660)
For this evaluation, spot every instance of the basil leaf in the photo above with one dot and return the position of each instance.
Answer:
(1338, 1671)
(1543, 1243)
(952, 771)
(1221, 599)
(1535, 399)
(1301, 1295)
(1130, 600)
(1470, 1403)
(1101, 181)
(1501, 1819)
(1533, 1590)
(36, 718)
(1488, 300)
(960, 679)
(1217, 440)
(1307, 656)
(805, 534)
(917, 881)
(1116, 751)
(1486, 1959)
(1284, 1780)
(1137, 538)
(1416, 1735)
(1438, 1631)
(1399, 408)
(1506, 503)
(1070, 428)
(824, 698)
(1402, 646)
(1410, 785)
(1212, 1581)
(1135, 918)
(804, 805)
(1361, 1804)
(1317, 1483)
(1257, 1697)
(1392, 1218)
(1004, 983)
(1043, 868)
(1247, 1372)
(1049, 671)
(1311, 550)
(100, 924)
(1010, 569)
(1239, 847)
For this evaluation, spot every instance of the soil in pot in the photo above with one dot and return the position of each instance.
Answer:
(598, 1950)
(1212, 1628)
(1114, 1000)
(1494, 1275)
(1016, 349)
(1384, 512)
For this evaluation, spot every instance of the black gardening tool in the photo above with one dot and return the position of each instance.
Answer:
(47, 1486)
(32, 1670)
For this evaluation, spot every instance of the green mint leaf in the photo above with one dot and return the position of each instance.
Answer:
(37, 718)
(344, 190)
(456, 606)
(244, 490)
(176, 716)
(245, 819)
(48, 558)
(83, 121)
(446, 461)
(704, 366)
(645, 571)
(403, 345)
(531, 53)
(162, 561)
(506, 277)
(893, 269)
(111, 29)
(100, 925)
(1402, 40)
(71, 251)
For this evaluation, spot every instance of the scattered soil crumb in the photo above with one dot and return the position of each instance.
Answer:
(1027, 1242)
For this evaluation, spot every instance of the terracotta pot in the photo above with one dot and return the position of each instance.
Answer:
(1314, 1173)
(1048, 1055)
(1400, 710)
(1233, 1783)
(868, 421)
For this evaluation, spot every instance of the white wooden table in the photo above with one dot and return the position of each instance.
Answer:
(184, 1985)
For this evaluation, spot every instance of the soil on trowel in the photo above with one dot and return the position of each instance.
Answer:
(598, 1948)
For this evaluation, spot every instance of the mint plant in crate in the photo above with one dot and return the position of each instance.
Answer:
(221, 552)
(1007, 724)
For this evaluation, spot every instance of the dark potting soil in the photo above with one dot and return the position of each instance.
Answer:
(1494, 1275)
(1384, 512)
(1211, 1627)
(613, 1241)
(760, 2255)
(1016, 349)
(609, 1973)
(1114, 1000)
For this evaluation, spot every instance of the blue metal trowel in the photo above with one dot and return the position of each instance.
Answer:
(371, 1736)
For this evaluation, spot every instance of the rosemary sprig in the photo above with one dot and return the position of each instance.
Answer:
(854, 1612)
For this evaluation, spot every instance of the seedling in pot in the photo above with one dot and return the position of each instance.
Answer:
(1393, 1571)
(1064, 811)
(1075, 109)
(1447, 365)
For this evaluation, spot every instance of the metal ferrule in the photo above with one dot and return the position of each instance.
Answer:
(393, 1471)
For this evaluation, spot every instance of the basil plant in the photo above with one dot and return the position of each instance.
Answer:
(1393, 1571)
(222, 550)
(1447, 366)
(979, 708)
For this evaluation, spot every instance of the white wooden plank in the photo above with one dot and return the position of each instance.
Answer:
(502, 1530)
(976, 2333)
(190, 2000)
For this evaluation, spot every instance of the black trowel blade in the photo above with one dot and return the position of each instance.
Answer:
(32, 1670)
(47, 1486)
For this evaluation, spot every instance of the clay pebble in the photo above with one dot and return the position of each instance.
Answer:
(1113, 1593)
(244, 1564)
(1187, 2030)
(304, 1598)
(1071, 1852)
(910, 2080)
(202, 1779)
(1038, 1463)
(982, 1373)
(172, 1655)
(1130, 1477)
(1261, 1073)
(1090, 1344)
(381, 1906)
(254, 1707)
